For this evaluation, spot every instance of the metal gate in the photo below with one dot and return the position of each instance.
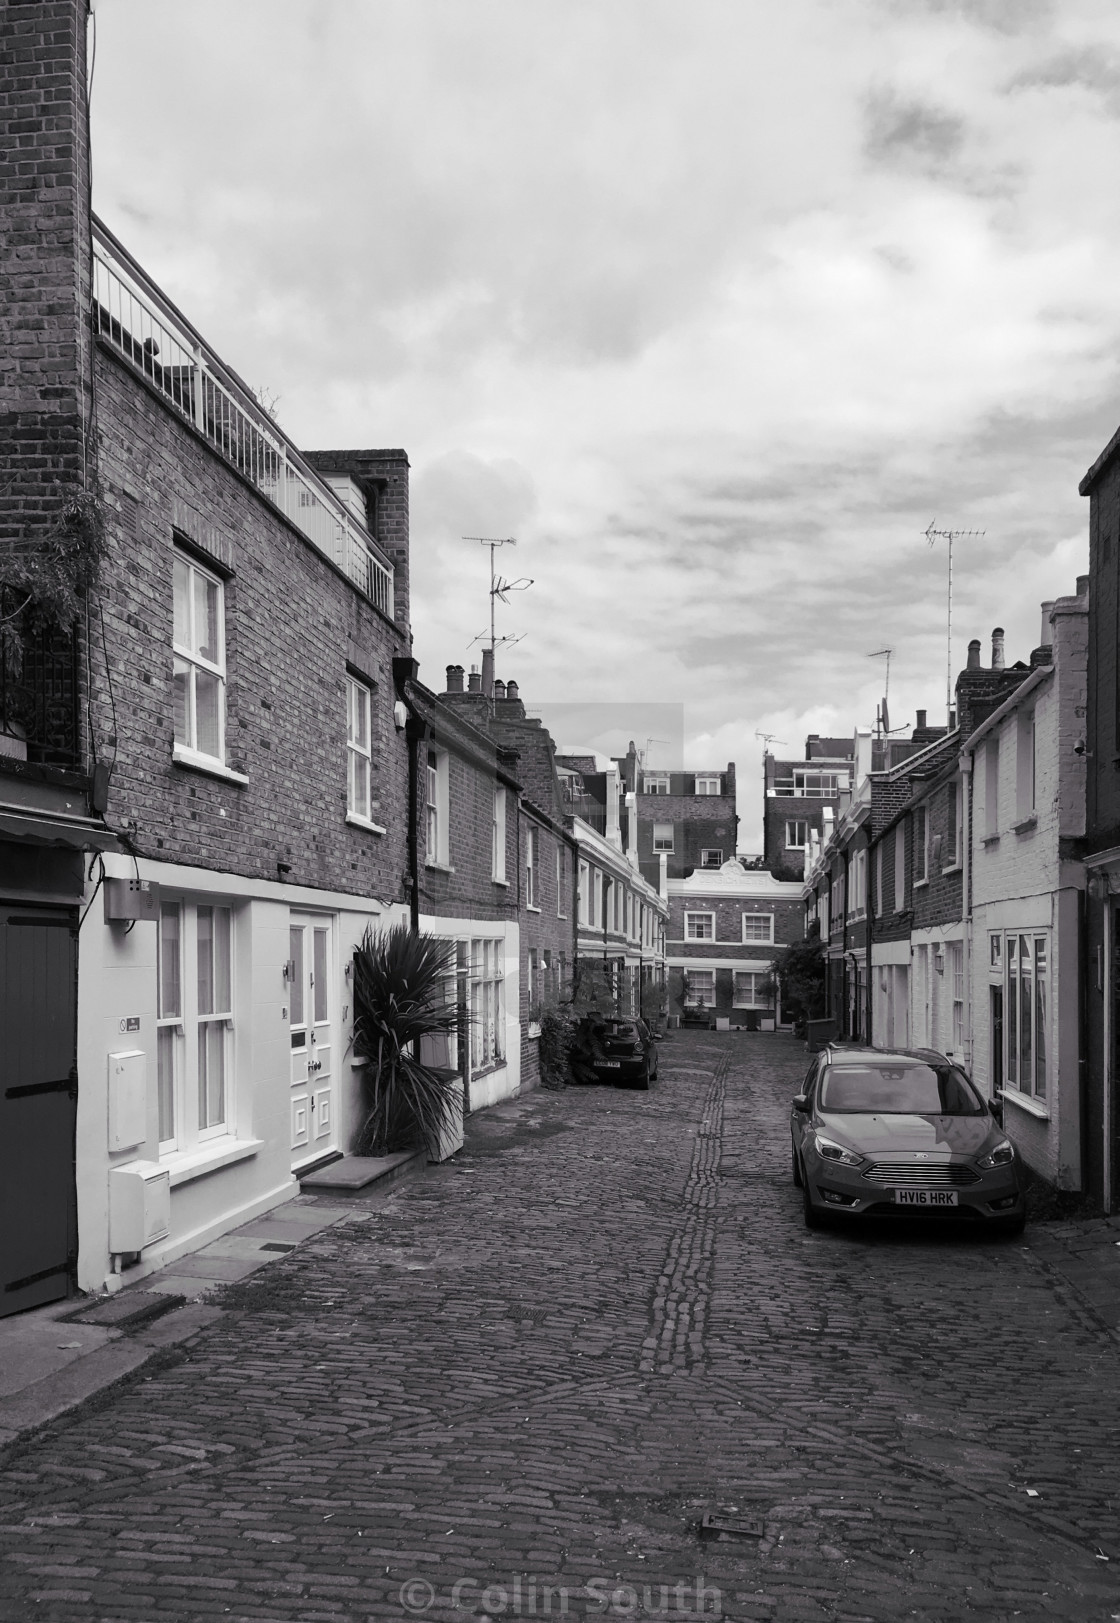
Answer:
(38, 1102)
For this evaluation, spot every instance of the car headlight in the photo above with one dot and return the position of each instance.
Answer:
(829, 1150)
(1001, 1156)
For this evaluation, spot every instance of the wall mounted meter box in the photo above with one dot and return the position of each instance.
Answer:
(128, 1102)
(130, 899)
(139, 1205)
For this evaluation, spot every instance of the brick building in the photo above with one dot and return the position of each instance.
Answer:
(726, 929)
(540, 872)
(796, 794)
(231, 715)
(687, 818)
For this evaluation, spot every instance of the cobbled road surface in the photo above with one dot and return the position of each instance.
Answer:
(514, 1388)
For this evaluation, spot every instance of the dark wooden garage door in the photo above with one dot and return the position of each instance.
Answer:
(38, 1100)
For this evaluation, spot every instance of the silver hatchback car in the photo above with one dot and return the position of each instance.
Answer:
(895, 1133)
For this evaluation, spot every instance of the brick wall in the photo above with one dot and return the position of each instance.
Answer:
(382, 477)
(700, 822)
(292, 625)
(788, 916)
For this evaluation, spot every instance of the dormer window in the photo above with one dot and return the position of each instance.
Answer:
(655, 783)
(708, 785)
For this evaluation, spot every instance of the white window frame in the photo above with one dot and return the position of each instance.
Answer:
(1025, 767)
(359, 755)
(487, 1003)
(878, 871)
(182, 1101)
(436, 809)
(708, 783)
(659, 838)
(952, 847)
(585, 894)
(561, 879)
(755, 1000)
(991, 788)
(707, 997)
(857, 883)
(954, 970)
(1026, 1065)
(694, 926)
(498, 837)
(766, 919)
(531, 887)
(196, 662)
(800, 834)
(655, 783)
(919, 824)
(711, 851)
(899, 867)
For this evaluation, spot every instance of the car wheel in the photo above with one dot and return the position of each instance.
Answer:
(813, 1218)
(796, 1169)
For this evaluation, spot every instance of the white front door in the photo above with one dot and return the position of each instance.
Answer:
(311, 1012)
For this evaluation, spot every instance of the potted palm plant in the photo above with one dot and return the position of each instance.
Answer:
(401, 1010)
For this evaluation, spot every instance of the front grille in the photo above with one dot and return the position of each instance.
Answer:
(921, 1174)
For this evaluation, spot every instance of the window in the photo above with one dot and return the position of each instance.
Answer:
(700, 987)
(561, 882)
(708, 785)
(1027, 1005)
(487, 991)
(194, 1022)
(533, 987)
(991, 788)
(797, 835)
(819, 785)
(199, 680)
(749, 989)
(711, 859)
(584, 894)
(436, 803)
(531, 867)
(655, 783)
(1025, 767)
(498, 836)
(758, 926)
(837, 891)
(952, 851)
(995, 952)
(878, 870)
(857, 883)
(359, 758)
(899, 868)
(955, 971)
(919, 823)
(699, 926)
(662, 836)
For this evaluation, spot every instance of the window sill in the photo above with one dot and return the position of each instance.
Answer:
(1023, 1101)
(954, 867)
(534, 1028)
(220, 1152)
(529, 908)
(356, 820)
(494, 880)
(918, 883)
(440, 867)
(206, 764)
(990, 839)
(1027, 825)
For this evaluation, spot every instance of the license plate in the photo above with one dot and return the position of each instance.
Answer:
(925, 1197)
(608, 1064)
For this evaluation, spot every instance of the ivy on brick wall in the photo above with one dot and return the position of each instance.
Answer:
(47, 575)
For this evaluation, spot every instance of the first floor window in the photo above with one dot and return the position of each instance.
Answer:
(199, 675)
(920, 830)
(758, 926)
(531, 867)
(436, 808)
(194, 1021)
(662, 836)
(699, 926)
(750, 990)
(711, 859)
(358, 748)
(797, 835)
(701, 987)
(498, 836)
(1026, 1013)
(487, 1003)
(561, 882)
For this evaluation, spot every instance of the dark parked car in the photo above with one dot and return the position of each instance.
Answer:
(881, 1132)
(615, 1048)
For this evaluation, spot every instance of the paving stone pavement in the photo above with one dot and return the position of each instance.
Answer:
(514, 1387)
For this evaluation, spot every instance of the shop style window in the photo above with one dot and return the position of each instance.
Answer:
(699, 926)
(199, 667)
(487, 991)
(194, 1024)
(359, 760)
(1026, 1013)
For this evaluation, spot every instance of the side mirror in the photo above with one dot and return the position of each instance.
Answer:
(801, 1103)
(995, 1109)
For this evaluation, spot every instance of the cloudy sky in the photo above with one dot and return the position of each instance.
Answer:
(713, 305)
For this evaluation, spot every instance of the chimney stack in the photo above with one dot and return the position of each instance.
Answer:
(952, 720)
(921, 715)
(997, 648)
(488, 672)
(474, 681)
(1082, 585)
(1047, 636)
(974, 654)
(499, 688)
(454, 679)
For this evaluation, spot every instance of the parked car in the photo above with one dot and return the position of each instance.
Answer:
(615, 1048)
(878, 1132)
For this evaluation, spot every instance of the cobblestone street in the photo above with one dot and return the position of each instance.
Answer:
(517, 1384)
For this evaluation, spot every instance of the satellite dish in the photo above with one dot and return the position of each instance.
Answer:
(886, 717)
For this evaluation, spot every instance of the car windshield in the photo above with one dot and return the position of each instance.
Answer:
(900, 1087)
(621, 1028)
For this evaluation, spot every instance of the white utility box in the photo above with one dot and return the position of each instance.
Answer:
(139, 1205)
(128, 1104)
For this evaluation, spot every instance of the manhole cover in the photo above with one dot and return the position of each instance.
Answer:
(279, 1245)
(715, 1526)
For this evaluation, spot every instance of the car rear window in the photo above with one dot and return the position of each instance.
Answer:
(900, 1089)
(621, 1028)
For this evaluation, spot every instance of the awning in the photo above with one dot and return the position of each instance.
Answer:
(75, 834)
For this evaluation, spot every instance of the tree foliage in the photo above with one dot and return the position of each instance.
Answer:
(799, 973)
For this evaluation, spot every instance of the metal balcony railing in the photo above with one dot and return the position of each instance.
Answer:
(131, 313)
(801, 791)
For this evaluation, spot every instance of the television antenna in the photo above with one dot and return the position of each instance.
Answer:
(933, 535)
(499, 587)
(644, 758)
(769, 738)
(884, 713)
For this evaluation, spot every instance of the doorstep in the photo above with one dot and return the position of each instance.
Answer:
(357, 1174)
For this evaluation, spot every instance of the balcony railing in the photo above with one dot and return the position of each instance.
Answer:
(38, 691)
(801, 791)
(131, 313)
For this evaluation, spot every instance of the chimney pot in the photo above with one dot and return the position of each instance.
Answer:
(974, 654)
(499, 688)
(474, 681)
(997, 648)
(488, 672)
(921, 719)
(511, 690)
(1082, 585)
(1047, 610)
(454, 679)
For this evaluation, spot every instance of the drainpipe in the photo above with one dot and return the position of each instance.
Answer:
(405, 670)
(964, 834)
